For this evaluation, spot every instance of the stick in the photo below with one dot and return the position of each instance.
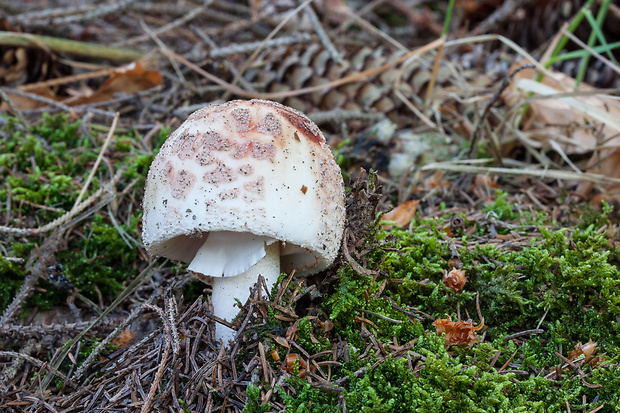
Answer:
(83, 49)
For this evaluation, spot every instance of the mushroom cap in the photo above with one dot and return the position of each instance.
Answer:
(246, 166)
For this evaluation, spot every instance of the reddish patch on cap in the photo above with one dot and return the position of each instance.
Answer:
(229, 194)
(246, 169)
(221, 174)
(270, 125)
(256, 189)
(299, 121)
(182, 184)
(213, 140)
(302, 123)
(262, 150)
(243, 118)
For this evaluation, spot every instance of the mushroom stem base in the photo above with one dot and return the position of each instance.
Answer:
(226, 289)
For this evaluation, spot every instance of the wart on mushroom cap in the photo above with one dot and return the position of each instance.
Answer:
(234, 179)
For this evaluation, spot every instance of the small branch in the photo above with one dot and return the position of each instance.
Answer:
(170, 26)
(297, 38)
(327, 43)
(94, 354)
(77, 48)
(524, 333)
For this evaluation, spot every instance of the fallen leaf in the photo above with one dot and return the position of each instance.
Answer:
(402, 214)
(588, 350)
(281, 341)
(128, 79)
(460, 333)
(570, 125)
(455, 279)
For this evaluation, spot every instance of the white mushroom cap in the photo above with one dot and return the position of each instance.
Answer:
(255, 167)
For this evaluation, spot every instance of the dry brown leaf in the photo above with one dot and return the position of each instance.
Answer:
(460, 333)
(402, 214)
(281, 341)
(455, 279)
(573, 124)
(588, 350)
(127, 79)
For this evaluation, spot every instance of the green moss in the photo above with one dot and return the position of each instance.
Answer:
(309, 400)
(42, 173)
(253, 404)
(566, 281)
(11, 274)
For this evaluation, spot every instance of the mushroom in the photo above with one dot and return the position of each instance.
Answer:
(240, 189)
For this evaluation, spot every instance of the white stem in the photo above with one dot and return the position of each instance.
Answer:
(226, 289)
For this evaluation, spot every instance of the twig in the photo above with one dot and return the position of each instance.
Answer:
(501, 14)
(79, 14)
(373, 30)
(77, 48)
(323, 37)
(339, 115)
(12, 330)
(9, 372)
(547, 173)
(496, 96)
(170, 26)
(60, 355)
(146, 407)
(39, 98)
(593, 52)
(94, 354)
(38, 363)
(296, 38)
(20, 298)
(29, 232)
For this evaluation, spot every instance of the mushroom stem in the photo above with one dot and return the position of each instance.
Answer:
(226, 289)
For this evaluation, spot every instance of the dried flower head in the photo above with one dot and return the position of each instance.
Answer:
(455, 279)
(460, 333)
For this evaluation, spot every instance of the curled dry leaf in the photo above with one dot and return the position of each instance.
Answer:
(588, 350)
(402, 214)
(459, 333)
(455, 279)
(127, 79)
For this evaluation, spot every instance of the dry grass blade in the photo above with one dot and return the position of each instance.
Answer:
(98, 161)
(540, 173)
(69, 46)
